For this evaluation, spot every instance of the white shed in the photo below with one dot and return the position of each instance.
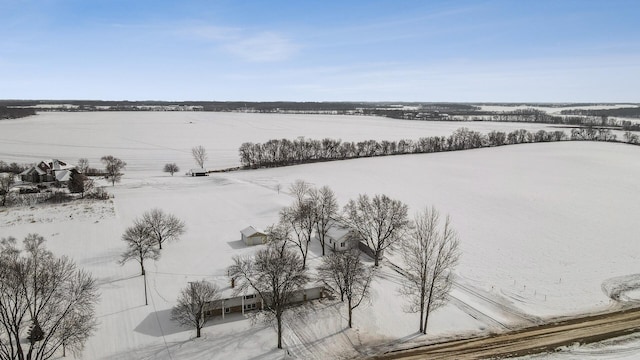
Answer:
(338, 238)
(251, 236)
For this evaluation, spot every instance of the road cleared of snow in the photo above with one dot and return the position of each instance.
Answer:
(530, 340)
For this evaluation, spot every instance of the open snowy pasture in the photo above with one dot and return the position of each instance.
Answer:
(546, 230)
(148, 140)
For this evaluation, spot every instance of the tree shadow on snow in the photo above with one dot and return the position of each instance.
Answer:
(159, 323)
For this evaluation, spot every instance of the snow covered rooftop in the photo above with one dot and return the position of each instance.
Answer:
(250, 231)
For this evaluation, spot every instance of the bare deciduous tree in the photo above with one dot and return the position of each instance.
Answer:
(300, 190)
(300, 218)
(379, 222)
(83, 165)
(199, 155)
(326, 210)
(171, 168)
(140, 247)
(161, 227)
(276, 274)
(345, 272)
(430, 252)
(6, 183)
(113, 166)
(46, 292)
(192, 302)
(279, 235)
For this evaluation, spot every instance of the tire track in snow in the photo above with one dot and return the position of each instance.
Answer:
(476, 314)
(318, 332)
(474, 311)
(534, 320)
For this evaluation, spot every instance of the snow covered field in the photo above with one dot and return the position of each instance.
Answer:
(148, 140)
(545, 228)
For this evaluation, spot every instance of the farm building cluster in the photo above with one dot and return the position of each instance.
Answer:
(48, 171)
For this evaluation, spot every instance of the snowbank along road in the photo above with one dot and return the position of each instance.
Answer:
(529, 340)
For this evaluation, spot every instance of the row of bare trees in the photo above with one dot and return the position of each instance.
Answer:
(284, 152)
(592, 134)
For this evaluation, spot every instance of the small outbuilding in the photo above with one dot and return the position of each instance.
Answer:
(252, 236)
(198, 172)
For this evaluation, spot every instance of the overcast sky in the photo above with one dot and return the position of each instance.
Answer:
(494, 51)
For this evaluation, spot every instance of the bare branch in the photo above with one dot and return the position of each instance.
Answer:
(345, 272)
(379, 222)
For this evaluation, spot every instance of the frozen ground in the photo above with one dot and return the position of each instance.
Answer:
(546, 229)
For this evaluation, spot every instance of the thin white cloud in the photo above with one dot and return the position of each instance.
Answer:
(263, 46)
(214, 33)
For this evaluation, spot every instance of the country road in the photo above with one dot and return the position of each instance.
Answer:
(529, 340)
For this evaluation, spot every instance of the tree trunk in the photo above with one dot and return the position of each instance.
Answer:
(423, 289)
(428, 306)
(197, 331)
(426, 319)
(144, 277)
(279, 319)
(29, 354)
(422, 314)
(16, 336)
(350, 310)
(375, 257)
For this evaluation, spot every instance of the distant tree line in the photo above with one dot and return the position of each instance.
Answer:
(629, 112)
(13, 167)
(283, 152)
(15, 113)
(223, 106)
(520, 115)
(274, 153)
